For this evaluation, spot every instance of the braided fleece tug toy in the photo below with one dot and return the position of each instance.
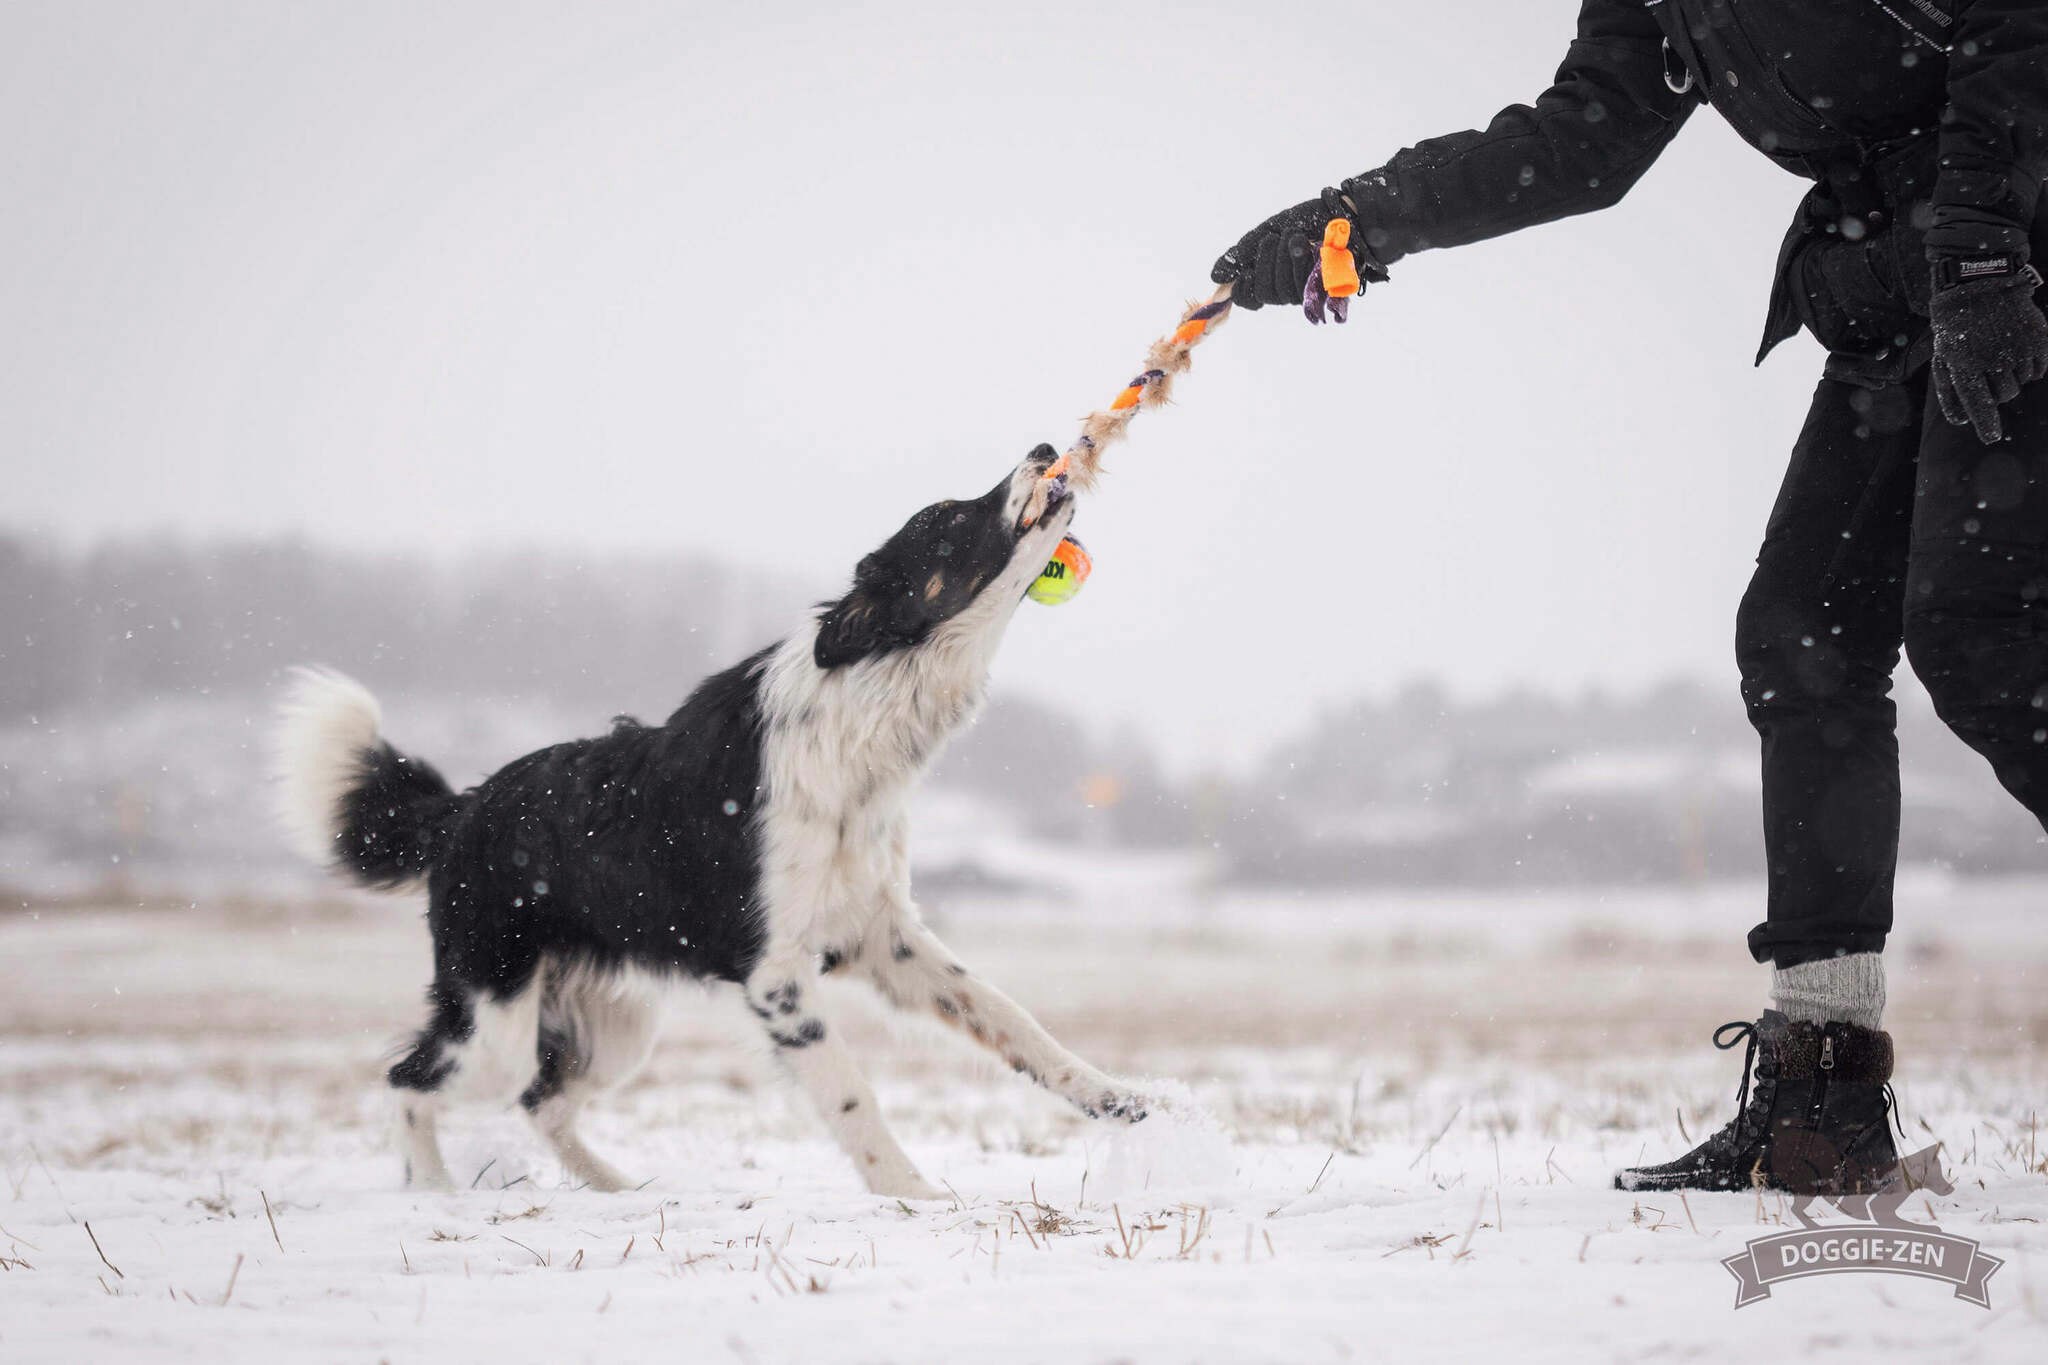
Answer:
(1330, 285)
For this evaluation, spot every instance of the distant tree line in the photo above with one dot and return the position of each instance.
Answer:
(133, 677)
(136, 620)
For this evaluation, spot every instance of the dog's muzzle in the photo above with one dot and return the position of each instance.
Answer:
(1047, 497)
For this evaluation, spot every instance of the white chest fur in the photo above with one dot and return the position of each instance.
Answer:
(841, 751)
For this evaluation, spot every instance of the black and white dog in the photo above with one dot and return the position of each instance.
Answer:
(757, 838)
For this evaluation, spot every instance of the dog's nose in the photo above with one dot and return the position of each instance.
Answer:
(1041, 458)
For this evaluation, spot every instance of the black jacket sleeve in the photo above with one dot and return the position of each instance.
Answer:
(1994, 134)
(1580, 147)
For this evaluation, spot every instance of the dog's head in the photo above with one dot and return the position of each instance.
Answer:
(953, 566)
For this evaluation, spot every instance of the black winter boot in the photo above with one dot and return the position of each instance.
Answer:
(1814, 1122)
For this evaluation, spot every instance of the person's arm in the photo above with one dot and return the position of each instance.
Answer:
(1579, 147)
(1994, 134)
(1990, 334)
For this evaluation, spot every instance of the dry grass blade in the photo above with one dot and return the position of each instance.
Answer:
(1465, 1243)
(233, 1275)
(103, 1255)
(1430, 1146)
(273, 1221)
(1201, 1230)
(1428, 1241)
(538, 1259)
(1050, 1222)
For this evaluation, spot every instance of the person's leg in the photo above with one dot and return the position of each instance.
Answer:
(1977, 591)
(1817, 638)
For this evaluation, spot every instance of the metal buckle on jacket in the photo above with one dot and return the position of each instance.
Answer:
(1672, 62)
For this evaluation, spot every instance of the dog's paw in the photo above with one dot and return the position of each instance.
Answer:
(913, 1189)
(427, 1182)
(1127, 1105)
(602, 1177)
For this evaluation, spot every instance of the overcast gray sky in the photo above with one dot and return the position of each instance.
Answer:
(760, 280)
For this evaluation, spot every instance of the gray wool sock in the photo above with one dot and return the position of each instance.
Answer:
(1846, 989)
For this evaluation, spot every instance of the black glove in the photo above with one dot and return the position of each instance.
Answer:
(1272, 262)
(1990, 338)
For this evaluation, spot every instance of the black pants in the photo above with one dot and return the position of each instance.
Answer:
(1893, 528)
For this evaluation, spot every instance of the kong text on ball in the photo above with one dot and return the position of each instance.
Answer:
(1063, 576)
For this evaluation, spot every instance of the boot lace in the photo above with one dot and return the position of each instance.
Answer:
(1748, 1118)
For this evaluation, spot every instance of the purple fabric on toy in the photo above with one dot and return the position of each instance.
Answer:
(1315, 300)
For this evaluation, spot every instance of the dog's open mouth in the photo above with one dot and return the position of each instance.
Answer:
(1057, 495)
(1047, 498)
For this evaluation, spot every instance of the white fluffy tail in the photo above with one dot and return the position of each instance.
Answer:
(327, 729)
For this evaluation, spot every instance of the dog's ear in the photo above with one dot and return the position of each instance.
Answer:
(851, 630)
(867, 621)
(879, 615)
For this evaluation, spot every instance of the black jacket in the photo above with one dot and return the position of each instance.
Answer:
(1938, 108)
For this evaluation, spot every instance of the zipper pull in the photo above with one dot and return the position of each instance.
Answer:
(1827, 1052)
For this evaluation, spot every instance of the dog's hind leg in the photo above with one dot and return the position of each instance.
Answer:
(555, 1117)
(416, 1080)
(419, 1148)
(781, 993)
(917, 973)
(474, 1046)
(596, 1030)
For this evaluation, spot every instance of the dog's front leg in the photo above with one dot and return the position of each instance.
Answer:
(916, 972)
(781, 993)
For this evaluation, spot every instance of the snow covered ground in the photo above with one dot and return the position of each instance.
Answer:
(1398, 1120)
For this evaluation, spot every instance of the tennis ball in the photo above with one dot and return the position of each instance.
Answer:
(1063, 576)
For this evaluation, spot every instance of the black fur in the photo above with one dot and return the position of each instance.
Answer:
(393, 818)
(451, 1020)
(924, 575)
(557, 1055)
(803, 1035)
(638, 847)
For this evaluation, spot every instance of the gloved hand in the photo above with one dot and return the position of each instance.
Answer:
(1271, 263)
(1990, 339)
